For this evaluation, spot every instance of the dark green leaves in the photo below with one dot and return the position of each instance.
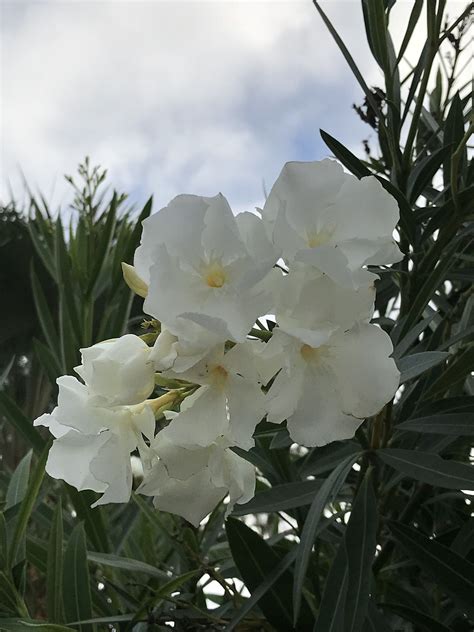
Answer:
(360, 541)
(54, 572)
(429, 468)
(457, 424)
(281, 498)
(76, 587)
(255, 560)
(324, 496)
(448, 569)
(414, 365)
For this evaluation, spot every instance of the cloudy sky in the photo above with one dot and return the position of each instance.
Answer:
(172, 97)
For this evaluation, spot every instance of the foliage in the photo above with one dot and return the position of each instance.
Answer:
(363, 535)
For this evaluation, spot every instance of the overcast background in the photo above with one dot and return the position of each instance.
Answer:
(175, 97)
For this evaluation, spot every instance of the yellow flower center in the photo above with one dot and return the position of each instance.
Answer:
(313, 354)
(317, 238)
(219, 376)
(215, 275)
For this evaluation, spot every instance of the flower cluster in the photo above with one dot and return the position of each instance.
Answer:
(209, 278)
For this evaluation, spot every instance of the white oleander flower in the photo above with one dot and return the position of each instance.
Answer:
(118, 371)
(320, 215)
(190, 481)
(93, 444)
(310, 306)
(204, 265)
(229, 402)
(179, 354)
(325, 391)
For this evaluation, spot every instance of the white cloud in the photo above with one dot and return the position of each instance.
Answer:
(172, 97)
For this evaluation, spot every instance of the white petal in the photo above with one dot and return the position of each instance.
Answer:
(284, 395)
(179, 225)
(112, 466)
(312, 306)
(364, 210)
(202, 421)
(304, 189)
(118, 372)
(70, 457)
(259, 246)
(246, 404)
(75, 410)
(318, 418)
(367, 377)
(221, 238)
(193, 498)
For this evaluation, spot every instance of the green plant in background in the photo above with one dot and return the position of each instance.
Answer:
(369, 534)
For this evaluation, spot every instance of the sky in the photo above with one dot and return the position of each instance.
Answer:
(178, 97)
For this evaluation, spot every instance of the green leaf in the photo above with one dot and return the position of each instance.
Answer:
(463, 543)
(324, 496)
(424, 171)
(412, 22)
(348, 159)
(348, 57)
(175, 584)
(118, 618)
(13, 413)
(326, 458)
(375, 621)
(412, 366)
(3, 543)
(331, 610)
(459, 424)
(27, 505)
(420, 619)
(126, 564)
(54, 572)
(44, 315)
(281, 498)
(262, 589)
(449, 570)
(49, 362)
(436, 276)
(68, 312)
(412, 336)
(255, 560)
(458, 369)
(93, 518)
(360, 541)
(376, 30)
(11, 601)
(19, 482)
(105, 241)
(429, 468)
(23, 625)
(76, 587)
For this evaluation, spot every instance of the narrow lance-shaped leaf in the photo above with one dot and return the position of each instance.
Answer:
(18, 484)
(429, 468)
(331, 610)
(76, 587)
(255, 560)
(281, 498)
(412, 366)
(54, 571)
(360, 541)
(328, 491)
(458, 424)
(426, 623)
(450, 571)
(27, 505)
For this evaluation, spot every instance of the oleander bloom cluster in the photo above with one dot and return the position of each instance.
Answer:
(209, 280)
